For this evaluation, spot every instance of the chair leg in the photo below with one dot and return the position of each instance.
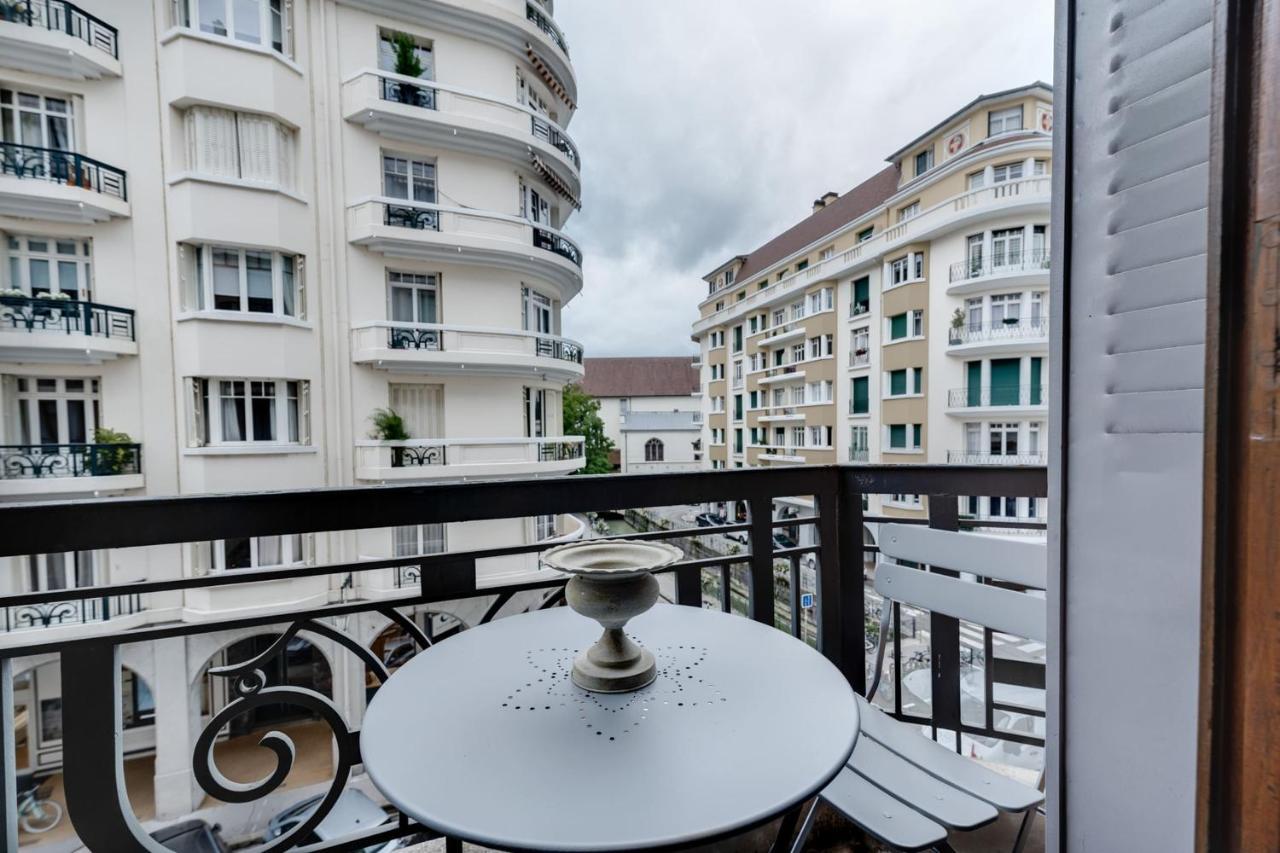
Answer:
(806, 826)
(1024, 831)
(786, 831)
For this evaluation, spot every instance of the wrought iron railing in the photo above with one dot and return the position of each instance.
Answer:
(858, 308)
(411, 216)
(1009, 329)
(981, 396)
(62, 167)
(64, 17)
(547, 26)
(413, 94)
(859, 358)
(1003, 263)
(765, 581)
(66, 316)
(553, 241)
(544, 129)
(33, 461)
(58, 613)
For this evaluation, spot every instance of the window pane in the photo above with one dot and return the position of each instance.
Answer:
(248, 18)
(237, 554)
(258, 274)
(76, 429)
(226, 279)
(264, 419)
(269, 551)
(426, 306)
(55, 571)
(213, 16)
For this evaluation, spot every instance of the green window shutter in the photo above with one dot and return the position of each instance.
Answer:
(898, 326)
(861, 397)
(973, 384)
(898, 436)
(1036, 391)
(862, 290)
(918, 375)
(1004, 381)
(897, 382)
(917, 439)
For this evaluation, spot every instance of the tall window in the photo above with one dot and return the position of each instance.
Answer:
(976, 180)
(39, 265)
(251, 411)
(256, 552)
(1005, 308)
(416, 539)
(66, 570)
(907, 268)
(535, 412)
(262, 22)
(1003, 438)
(544, 527)
(924, 161)
(653, 450)
(1006, 246)
(413, 297)
(42, 121)
(911, 210)
(241, 146)
(860, 397)
(973, 253)
(404, 177)
(1006, 172)
(56, 411)
(1004, 121)
(229, 278)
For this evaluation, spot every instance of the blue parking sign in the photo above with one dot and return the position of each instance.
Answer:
(806, 601)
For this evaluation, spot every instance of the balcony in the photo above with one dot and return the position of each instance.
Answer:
(72, 614)
(59, 186)
(1009, 269)
(435, 348)
(859, 454)
(781, 414)
(860, 358)
(859, 309)
(782, 373)
(458, 458)
(64, 469)
(996, 399)
(435, 114)
(965, 457)
(786, 332)
(48, 330)
(58, 39)
(400, 228)
(1013, 334)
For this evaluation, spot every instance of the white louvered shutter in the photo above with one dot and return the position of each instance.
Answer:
(195, 412)
(304, 412)
(211, 142)
(1135, 412)
(257, 149)
(284, 156)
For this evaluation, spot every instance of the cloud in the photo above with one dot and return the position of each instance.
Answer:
(707, 127)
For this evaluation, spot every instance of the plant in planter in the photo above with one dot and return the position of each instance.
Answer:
(388, 425)
(111, 456)
(12, 296)
(408, 64)
(957, 319)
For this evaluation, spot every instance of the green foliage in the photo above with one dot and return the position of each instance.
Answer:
(582, 417)
(388, 426)
(957, 319)
(113, 461)
(102, 435)
(407, 62)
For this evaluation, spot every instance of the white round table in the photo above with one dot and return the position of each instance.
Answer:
(484, 738)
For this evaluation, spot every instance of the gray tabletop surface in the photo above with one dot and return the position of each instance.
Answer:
(485, 738)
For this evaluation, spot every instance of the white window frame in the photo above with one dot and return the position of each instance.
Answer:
(29, 396)
(1007, 120)
(49, 109)
(285, 394)
(415, 283)
(909, 211)
(216, 147)
(186, 14)
(291, 547)
(1005, 172)
(424, 538)
(196, 260)
(419, 174)
(21, 254)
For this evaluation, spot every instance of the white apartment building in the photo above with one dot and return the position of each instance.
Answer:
(652, 411)
(234, 232)
(905, 321)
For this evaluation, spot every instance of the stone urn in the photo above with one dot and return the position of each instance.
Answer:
(612, 583)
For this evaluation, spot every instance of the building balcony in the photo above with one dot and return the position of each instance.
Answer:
(412, 229)
(82, 615)
(859, 309)
(46, 330)
(781, 414)
(782, 373)
(1011, 269)
(998, 399)
(59, 186)
(965, 457)
(458, 458)
(859, 454)
(435, 348)
(860, 358)
(58, 39)
(429, 113)
(67, 469)
(1016, 334)
(780, 334)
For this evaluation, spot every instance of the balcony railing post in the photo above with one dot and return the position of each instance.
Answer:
(8, 763)
(841, 632)
(944, 634)
(760, 605)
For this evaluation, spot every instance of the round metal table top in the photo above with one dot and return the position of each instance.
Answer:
(484, 737)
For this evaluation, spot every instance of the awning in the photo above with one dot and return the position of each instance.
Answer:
(548, 77)
(555, 181)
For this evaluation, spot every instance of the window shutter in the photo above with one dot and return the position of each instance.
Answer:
(195, 413)
(304, 412)
(211, 142)
(256, 138)
(199, 556)
(9, 405)
(898, 326)
(300, 283)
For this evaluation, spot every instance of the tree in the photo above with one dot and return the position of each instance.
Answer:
(582, 417)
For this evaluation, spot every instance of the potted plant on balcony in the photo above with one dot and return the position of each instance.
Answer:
(388, 425)
(12, 297)
(407, 64)
(111, 455)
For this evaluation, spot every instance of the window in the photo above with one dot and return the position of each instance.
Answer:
(137, 704)
(56, 411)
(251, 411)
(797, 353)
(653, 450)
(544, 527)
(728, 277)
(905, 436)
(821, 346)
(717, 339)
(239, 146)
(1003, 439)
(906, 324)
(737, 441)
(413, 297)
(825, 254)
(40, 121)
(229, 278)
(66, 570)
(861, 297)
(1006, 309)
(907, 268)
(1006, 247)
(917, 324)
(404, 177)
(737, 407)
(860, 397)
(802, 265)
(737, 339)
(924, 161)
(861, 341)
(819, 436)
(417, 539)
(538, 312)
(906, 382)
(909, 211)
(797, 436)
(976, 180)
(39, 265)
(256, 552)
(1006, 172)
(536, 412)
(866, 233)
(782, 273)
(261, 22)
(387, 62)
(1039, 167)
(1004, 121)
(905, 500)
(859, 443)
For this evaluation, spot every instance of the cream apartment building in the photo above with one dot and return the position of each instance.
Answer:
(233, 232)
(904, 321)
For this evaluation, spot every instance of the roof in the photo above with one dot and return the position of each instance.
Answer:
(651, 376)
(659, 421)
(955, 115)
(857, 202)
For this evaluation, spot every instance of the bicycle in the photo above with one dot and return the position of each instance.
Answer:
(36, 813)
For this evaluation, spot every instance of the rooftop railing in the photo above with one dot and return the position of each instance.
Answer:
(54, 166)
(42, 313)
(62, 16)
(764, 581)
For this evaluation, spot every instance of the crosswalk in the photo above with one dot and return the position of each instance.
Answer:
(971, 636)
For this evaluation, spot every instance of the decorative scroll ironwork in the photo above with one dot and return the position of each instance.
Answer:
(61, 167)
(1007, 263)
(408, 93)
(80, 611)
(66, 316)
(413, 456)
(417, 218)
(65, 17)
(559, 244)
(407, 337)
(35, 461)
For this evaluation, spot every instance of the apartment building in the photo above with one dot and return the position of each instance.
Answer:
(652, 411)
(263, 244)
(904, 321)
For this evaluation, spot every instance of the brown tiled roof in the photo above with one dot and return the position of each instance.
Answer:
(865, 197)
(654, 376)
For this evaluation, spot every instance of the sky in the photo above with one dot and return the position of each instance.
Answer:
(708, 126)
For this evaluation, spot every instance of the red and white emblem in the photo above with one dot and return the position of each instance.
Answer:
(955, 143)
(1046, 121)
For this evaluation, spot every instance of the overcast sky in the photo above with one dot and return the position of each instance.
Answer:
(708, 126)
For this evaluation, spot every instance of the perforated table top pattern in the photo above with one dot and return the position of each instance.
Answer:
(484, 737)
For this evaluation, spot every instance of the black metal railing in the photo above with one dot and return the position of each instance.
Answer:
(410, 216)
(81, 612)
(62, 167)
(558, 348)
(769, 578)
(35, 461)
(66, 316)
(1002, 263)
(544, 23)
(418, 455)
(63, 17)
(979, 396)
(1008, 329)
(560, 451)
(550, 241)
(544, 129)
(409, 337)
(413, 94)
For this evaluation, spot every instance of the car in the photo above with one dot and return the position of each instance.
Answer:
(352, 812)
(709, 519)
(782, 540)
(191, 836)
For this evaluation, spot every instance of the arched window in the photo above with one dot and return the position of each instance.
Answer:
(653, 450)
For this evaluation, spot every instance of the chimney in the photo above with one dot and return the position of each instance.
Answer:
(826, 199)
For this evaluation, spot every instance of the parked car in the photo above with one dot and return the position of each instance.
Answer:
(709, 519)
(191, 836)
(782, 540)
(352, 812)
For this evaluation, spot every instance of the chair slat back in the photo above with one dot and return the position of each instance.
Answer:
(998, 558)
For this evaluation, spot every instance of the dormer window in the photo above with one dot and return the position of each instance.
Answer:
(728, 277)
(1004, 121)
(924, 161)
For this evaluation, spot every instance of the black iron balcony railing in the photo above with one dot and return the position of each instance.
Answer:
(552, 241)
(545, 24)
(63, 17)
(33, 461)
(966, 457)
(413, 94)
(981, 396)
(81, 612)
(996, 331)
(62, 167)
(858, 308)
(1002, 263)
(411, 216)
(430, 337)
(767, 579)
(65, 316)
(543, 129)
(558, 348)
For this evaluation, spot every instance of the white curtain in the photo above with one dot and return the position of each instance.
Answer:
(211, 142)
(422, 407)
